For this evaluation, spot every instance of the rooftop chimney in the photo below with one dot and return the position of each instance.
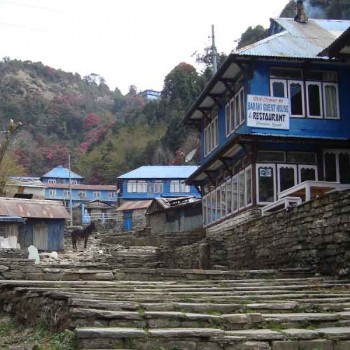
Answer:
(300, 16)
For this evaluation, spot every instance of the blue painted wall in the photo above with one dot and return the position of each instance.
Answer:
(76, 198)
(55, 229)
(259, 84)
(166, 191)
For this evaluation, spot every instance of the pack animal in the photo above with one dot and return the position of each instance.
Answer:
(83, 233)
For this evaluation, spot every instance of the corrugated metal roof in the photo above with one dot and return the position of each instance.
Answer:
(161, 172)
(25, 182)
(11, 219)
(32, 208)
(298, 40)
(334, 50)
(84, 187)
(166, 203)
(62, 173)
(133, 205)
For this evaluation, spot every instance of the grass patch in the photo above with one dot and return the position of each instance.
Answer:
(40, 337)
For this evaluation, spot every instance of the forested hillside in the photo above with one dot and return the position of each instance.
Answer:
(107, 133)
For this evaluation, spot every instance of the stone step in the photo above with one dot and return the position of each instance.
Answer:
(170, 319)
(203, 338)
(163, 319)
(214, 308)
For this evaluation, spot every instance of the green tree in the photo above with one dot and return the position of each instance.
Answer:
(252, 35)
(183, 84)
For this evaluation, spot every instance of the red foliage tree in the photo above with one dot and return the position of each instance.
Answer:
(91, 120)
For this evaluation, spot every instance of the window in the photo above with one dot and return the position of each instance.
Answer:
(320, 96)
(205, 211)
(296, 96)
(314, 102)
(211, 136)
(74, 182)
(235, 112)
(179, 186)
(52, 193)
(331, 103)
(266, 183)
(287, 176)
(228, 197)
(82, 194)
(337, 166)
(51, 181)
(66, 193)
(235, 193)
(271, 156)
(232, 195)
(307, 172)
(136, 186)
(158, 187)
(111, 194)
(248, 185)
(96, 194)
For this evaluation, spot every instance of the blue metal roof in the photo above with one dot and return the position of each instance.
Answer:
(61, 173)
(298, 40)
(161, 172)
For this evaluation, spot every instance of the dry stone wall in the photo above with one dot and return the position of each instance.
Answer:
(315, 234)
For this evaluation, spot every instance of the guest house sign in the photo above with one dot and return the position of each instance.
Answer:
(267, 112)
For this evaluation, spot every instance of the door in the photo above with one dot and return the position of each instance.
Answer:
(40, 233)
(127, 220)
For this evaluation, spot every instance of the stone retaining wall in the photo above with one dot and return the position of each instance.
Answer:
(315, 234)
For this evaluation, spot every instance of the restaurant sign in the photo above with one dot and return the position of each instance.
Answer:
(267, 112)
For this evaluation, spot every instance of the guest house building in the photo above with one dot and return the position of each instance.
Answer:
(276, 114)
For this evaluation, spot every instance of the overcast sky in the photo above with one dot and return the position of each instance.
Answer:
(129, 42)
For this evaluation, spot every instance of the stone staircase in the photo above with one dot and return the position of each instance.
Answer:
(133, 256)
(305, 313)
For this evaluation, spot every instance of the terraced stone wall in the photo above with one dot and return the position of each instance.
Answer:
(315, 234)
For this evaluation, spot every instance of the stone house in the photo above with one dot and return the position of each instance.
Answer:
(174, 215)
(131, 216)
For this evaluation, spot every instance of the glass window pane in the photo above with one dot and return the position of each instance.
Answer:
(205, 210)
(314, 100)
(241, 186)
(248, 185)
(330, 167)
(227, 119)
(296, 98)
(234, 193)
(232, 114)
(211, 207)
(278, 89)
(218, 204)
(307, 174)
(331, 101)
(286, 178)
(236, 110)
(228, 197)
(241, 100)
(266, 184)
(271, 156)
(301, 157)
(223, 199)
(344, 168)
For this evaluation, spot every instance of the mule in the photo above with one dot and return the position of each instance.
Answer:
(83, 233)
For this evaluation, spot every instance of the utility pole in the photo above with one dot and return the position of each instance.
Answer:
(213, 51)
(70, 194)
